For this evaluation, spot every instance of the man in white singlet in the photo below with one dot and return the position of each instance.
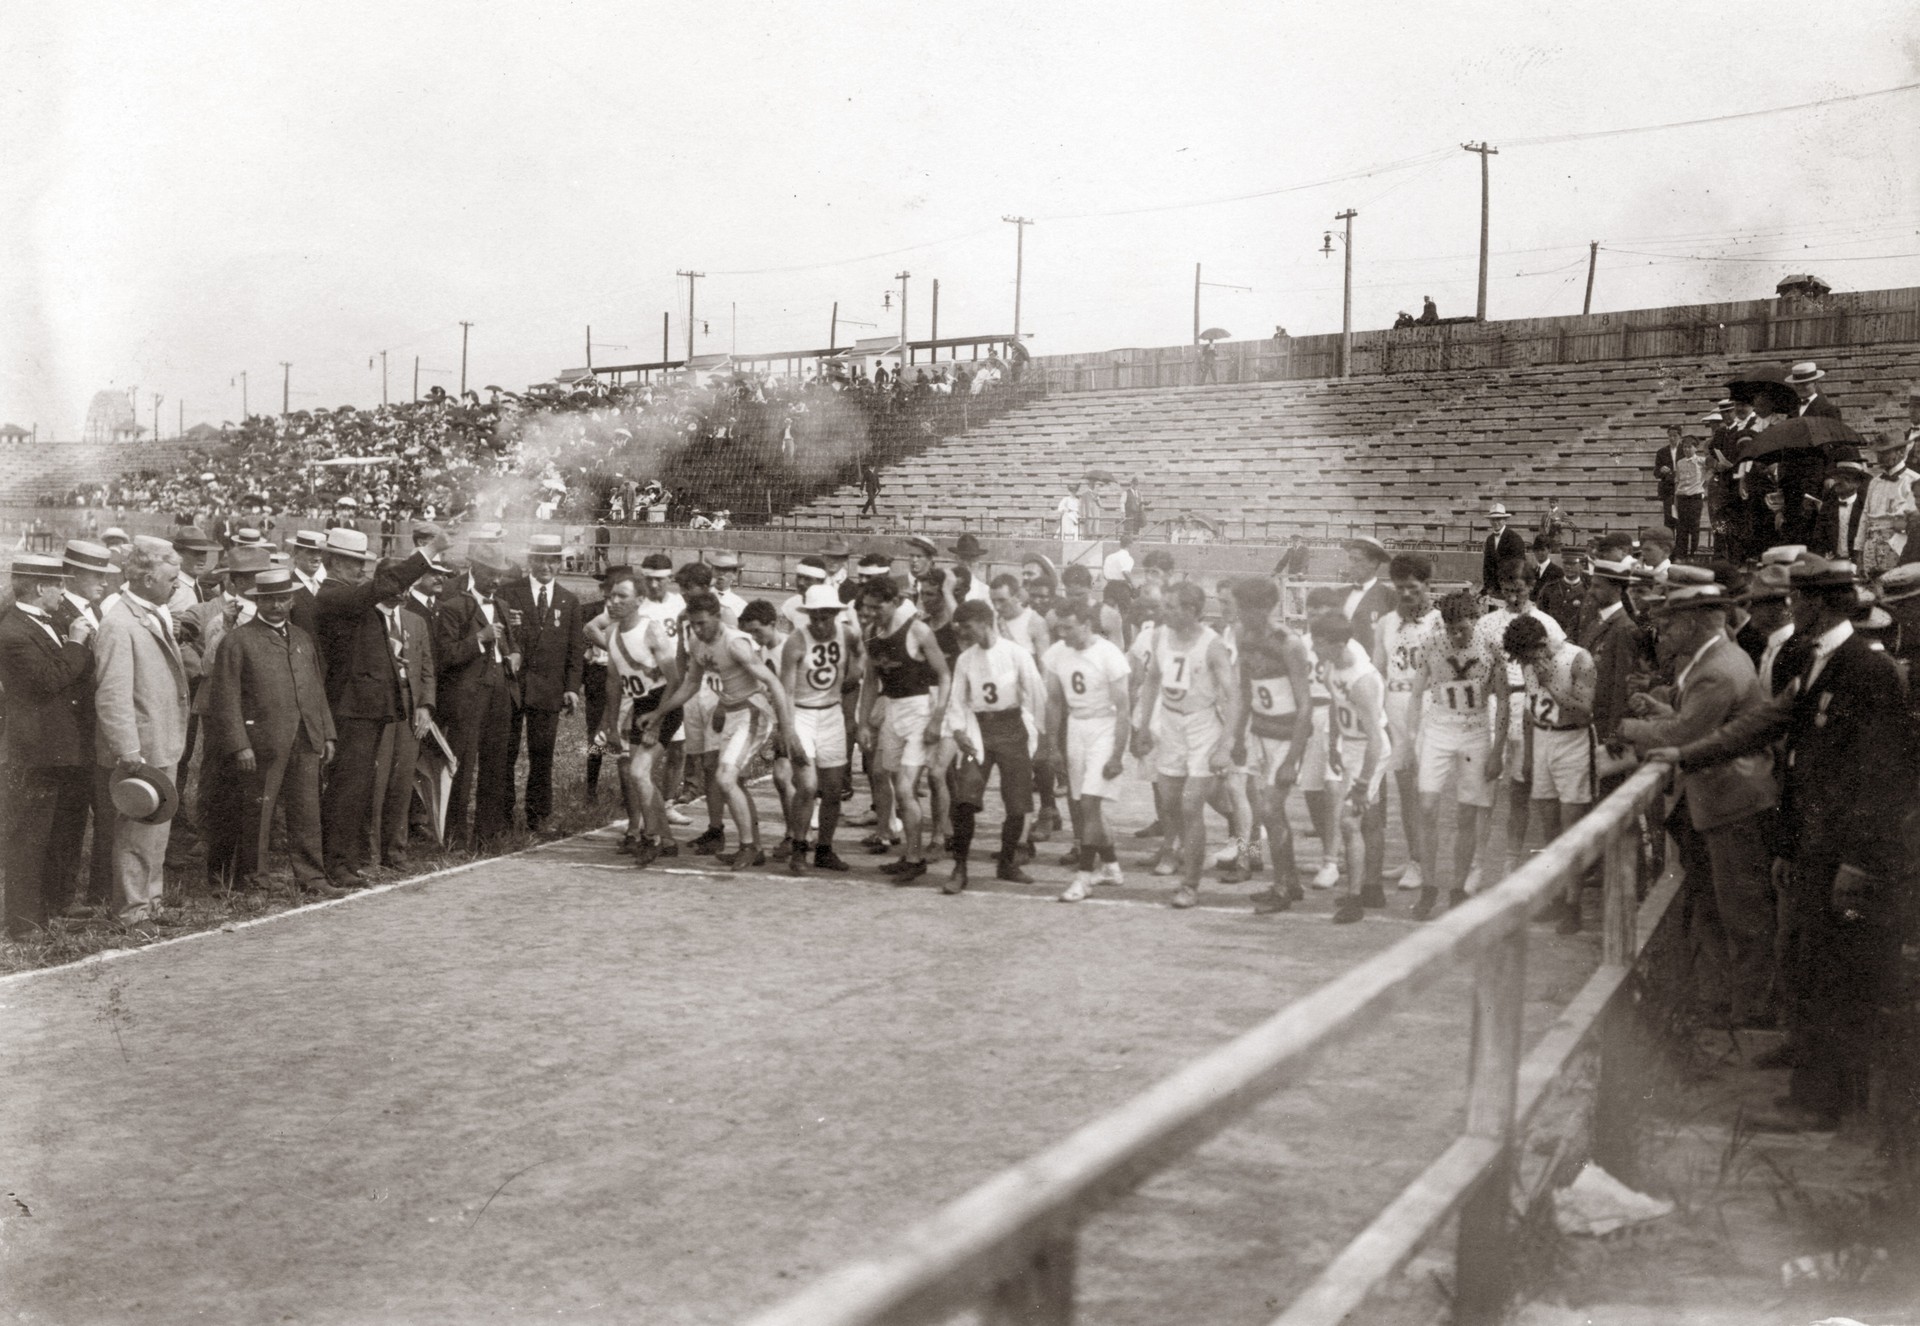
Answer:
(1456, 692)
(659, 601)
(1358, 751)
(1510, 723)
(815, 665)
(995, 715)
(1186, 716)
(1401, 640)
(643, 664)
(1087, 709)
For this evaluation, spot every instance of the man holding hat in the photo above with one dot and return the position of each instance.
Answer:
(1844, 730)
(1503, 544)
(269, 732)
(47, 676)
(1727, 805)
(476, 650)
(1837, 530)
(1892, 509)
(140, 733)
(554, 653)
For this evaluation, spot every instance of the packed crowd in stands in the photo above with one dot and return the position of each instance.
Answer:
(1774, 671)
(740, 443)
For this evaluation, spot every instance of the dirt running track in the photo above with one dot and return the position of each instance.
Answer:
(550, 1086)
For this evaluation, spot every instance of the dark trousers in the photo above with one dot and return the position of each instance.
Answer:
(348, 805)
(1740, 862)
(541, 728)
(42, 806)
(480, 730)
(394, 763)
(239, 833)
(1004, 736)
(593, 694)
(1842, 974)
(1686, 534)
(69, 833)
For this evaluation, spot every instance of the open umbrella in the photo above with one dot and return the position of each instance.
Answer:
(1215, 334)
(1765, 381)
(1100, 476)
(1212, 527)
(1799, 434)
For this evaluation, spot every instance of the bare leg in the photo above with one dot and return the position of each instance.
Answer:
(1193, 828)
(907, 806)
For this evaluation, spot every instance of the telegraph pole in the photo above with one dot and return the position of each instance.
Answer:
(1593, 261)
(589, 347)
(157, 398)
(906, 355)
(1346, 298)
(1020, 224)
(286, 386)
(416, 379)
(691, 278)
(383, 377)
(833, 328)
(934, 335)
(180, 428)
(666, 340)
(243, 395)
(465, 327)
(1480, 306)
(1196, 305)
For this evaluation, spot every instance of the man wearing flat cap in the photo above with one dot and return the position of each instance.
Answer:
(269, 733)
(47, 675)
(554, 645)
(1844, 734)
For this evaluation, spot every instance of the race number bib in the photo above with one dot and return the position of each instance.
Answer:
(1545, 712)
(1461, 696)
(1174, 680)
(1273, 697)
(823, 665)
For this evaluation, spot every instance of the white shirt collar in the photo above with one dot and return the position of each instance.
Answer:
(1712, 640)
(1780, 634)
(1832, 638)
(1611, 611)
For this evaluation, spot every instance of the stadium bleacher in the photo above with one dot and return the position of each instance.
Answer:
(1414, 458)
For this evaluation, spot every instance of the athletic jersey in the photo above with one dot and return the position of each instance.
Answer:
(1271, 703)
(631, 655)
(731, 679)
(1186, 683)
(1542, 707)
(1024, 630)
(1458, 684)
(1087, 675)
(1403, 645)
(1492, 629)
(822, 669)
(1356, 705)
(988, 680)
(667, 612)
(901, 675)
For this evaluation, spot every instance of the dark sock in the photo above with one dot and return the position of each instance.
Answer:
(1010, 832)
(593, 773)
(963, 814)
(1106, 852)
(1088, 857)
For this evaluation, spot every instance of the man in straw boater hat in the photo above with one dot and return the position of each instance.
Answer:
(269, 733)
(363, 678)
(92, 581)
(550, 675)
(47, 674)
(1892, 504)
(1804, 378)
(1843, 731)
(1501, 545)
(140, 708)
(1723, 841)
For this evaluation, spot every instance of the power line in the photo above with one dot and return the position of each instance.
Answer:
(1711, 119)
(1425, 158)
(1773, 258)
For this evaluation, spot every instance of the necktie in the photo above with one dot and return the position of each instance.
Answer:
(542, 604)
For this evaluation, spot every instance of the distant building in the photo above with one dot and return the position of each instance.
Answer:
(110, 418)
(1802, 285)
(14, 433)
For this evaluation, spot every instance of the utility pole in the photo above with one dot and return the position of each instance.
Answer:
(1480, 306)
(1346, 298)
(1020, 224)
(383, 377)
(934, 335)
(666, 338)
(157, 398)
(733, 333)
(180, 428)
(691, 278)
(1593, 261)
(465, 327)
(286, 387)
(243, 395)
(589, 347)
(416, 379)
(906, 354)
(1196, 305)
(833, 328)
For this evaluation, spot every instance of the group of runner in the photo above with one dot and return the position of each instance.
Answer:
(941, 682)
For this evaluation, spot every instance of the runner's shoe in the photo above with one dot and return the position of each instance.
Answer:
(956, 880)
(1227, 855)
(1184, 896)
(678, 817)
(1349, 910)
(710, 842)
(825, 858)
(1165, 865)
(1423, 905)
(1153, 830)
(1411, 878)
(1109, 873)
(1328, 875)
(1077, 891)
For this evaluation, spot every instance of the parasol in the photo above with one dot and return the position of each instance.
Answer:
(1765, 381)
(1212, 527)
(1215, 334)
(1799, 434)
(1100, 476)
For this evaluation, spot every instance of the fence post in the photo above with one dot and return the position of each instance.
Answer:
(1040, 1295)
(1614, 1104)
(1483, 1273)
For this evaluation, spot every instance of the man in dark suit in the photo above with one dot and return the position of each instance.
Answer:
(1370, 595)
(1727, 804)
(367, 686)
(1841, 524)
(399, 750)
(1804, 378)
(554, 653)
(1618, 644)
(91, 576)
(47, 675)
(1664, 476)
(1845, 738)
(1501, 545)
(474, 647)
(269, 729)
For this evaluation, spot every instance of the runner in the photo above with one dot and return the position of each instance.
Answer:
(1018, 623)
(995, 716)
(1276, 693)
(1087, 728)
(644, 664)
(752, 703)
(659, 602)
(1402, 639)
(1188, 710)
(1560, 681)
(1358, 751)
(1457, 749)
(815, 665)
(1233, 794)
(1510, 724)
(903, 698)
(761, 622)
(1322, 796)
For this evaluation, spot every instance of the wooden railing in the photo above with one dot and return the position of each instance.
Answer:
(1008, 1248)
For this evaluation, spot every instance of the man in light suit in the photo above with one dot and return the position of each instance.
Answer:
(1502, 545)
(269, 733)
(47, 675)
(1727, 804)
(140, 707)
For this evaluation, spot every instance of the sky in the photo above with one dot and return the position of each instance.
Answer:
(198, 189)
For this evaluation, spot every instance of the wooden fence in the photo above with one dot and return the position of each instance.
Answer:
(1008, 1248)
(1756, 329)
